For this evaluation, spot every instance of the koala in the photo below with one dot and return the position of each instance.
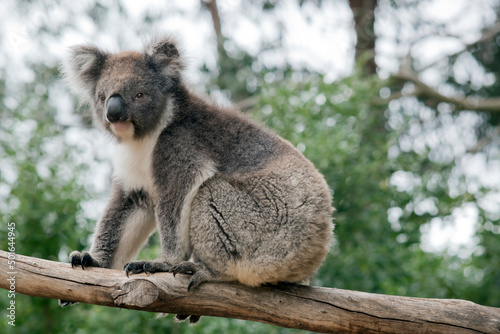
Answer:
(231, 200)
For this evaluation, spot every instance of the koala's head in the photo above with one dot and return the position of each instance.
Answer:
(128, 91)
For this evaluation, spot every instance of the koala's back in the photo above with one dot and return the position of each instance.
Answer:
(265, 214)
(226, 137)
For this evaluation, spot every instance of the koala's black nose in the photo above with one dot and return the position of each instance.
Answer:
(116, 110)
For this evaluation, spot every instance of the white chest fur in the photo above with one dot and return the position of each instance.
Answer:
(133, 164)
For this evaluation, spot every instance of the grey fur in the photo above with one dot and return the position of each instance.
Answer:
(239, 200)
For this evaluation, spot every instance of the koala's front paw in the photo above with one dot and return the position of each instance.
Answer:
(148, 267)
(83, 259)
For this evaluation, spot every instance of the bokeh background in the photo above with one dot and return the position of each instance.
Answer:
(395, 101)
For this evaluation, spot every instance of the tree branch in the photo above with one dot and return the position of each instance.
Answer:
(478, 104)
(310, 308)
(486, 140)
(486, 35)
(423, 89)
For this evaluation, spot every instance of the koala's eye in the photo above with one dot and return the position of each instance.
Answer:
(138, 96)
(102, 98)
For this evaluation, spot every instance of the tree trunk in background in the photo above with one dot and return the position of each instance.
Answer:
(364, 18)
(211, 5)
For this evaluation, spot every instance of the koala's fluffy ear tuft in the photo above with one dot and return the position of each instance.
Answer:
(82, 69)
(165, 54)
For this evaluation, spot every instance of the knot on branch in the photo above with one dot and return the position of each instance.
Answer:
(136, 293)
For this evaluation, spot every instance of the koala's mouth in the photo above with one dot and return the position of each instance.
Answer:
(119, 128)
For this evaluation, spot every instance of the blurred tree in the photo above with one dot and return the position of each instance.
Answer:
(484, 265)
(41, 191)
(234, 67)
(465, 97)
(364, 24)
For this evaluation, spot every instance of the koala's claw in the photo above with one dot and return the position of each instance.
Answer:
(193, 319)
(134, 268)
(83, 259)
(64, 303)
(75, 259)
(87, 260)
(192, 284)
(188, 268)
(178, 269)
(198, 271)
(147, 267)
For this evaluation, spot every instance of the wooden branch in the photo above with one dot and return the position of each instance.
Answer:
(423, 89)
(310, 308)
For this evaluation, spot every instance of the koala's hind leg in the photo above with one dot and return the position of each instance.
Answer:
(223, 227)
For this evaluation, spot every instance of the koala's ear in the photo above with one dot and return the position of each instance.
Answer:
(164, 53)
(82, 69)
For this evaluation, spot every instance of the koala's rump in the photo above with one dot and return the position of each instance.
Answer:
(270, 226)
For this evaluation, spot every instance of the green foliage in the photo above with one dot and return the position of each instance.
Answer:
(234, 75)
(41, 193)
